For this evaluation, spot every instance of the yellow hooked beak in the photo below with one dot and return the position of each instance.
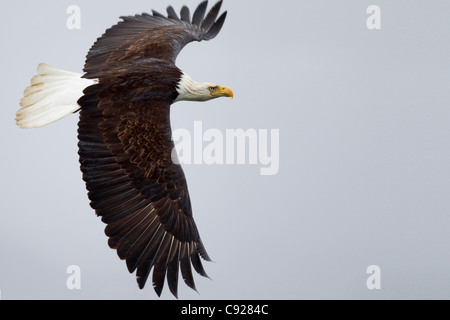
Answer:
(224, 92)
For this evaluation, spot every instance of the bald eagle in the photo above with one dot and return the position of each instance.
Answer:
(125, 141)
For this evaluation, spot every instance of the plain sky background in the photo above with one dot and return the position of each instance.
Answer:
(364, 120)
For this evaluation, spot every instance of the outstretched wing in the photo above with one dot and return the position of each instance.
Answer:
(125, 150)
(146, 36)
(125, 144)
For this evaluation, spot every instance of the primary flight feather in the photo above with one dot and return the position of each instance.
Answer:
(125, 137)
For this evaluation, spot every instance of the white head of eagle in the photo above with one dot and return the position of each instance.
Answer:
(189, 90)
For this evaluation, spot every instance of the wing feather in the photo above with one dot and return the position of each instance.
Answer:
(148, 36)
(133, 242)
(212, 16)
(186, 272)
(173, 269)
(149, 257)
(199, 14)
(160, 268)
(215, 29)
(185, 15)
(171, 14)
(155, 14)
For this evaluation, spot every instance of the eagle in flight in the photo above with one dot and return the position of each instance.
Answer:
(125, 140)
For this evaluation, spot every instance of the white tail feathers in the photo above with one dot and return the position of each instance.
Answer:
(52, 95)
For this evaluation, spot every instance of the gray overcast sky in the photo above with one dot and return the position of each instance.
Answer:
(364, 175)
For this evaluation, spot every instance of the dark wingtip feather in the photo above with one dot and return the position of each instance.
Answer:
(157, 14)
(212, 16)
(215, 29)
(186, 272)
(198, 266)
(171, 13)
(142, 274)
(172, 277)
(199, 13)
(202, 251)
(185, 14)
(159, 274)
(141, 282)
(131, 265)
(158, 290)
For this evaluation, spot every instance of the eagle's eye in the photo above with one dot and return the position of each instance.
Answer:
(212, 89)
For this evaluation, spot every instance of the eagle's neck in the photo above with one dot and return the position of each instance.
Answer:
(190, 90)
